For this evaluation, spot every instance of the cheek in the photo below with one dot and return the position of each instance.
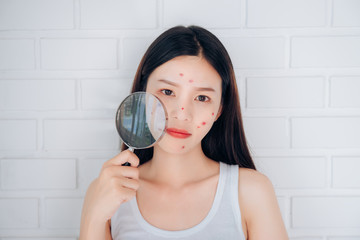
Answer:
(205, 121)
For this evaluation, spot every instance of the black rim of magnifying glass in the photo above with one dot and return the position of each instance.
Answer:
(118, 116)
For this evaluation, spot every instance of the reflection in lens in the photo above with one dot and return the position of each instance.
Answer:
(141, 120)
(155, 116)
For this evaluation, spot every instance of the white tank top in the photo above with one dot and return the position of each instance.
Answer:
(222, 222)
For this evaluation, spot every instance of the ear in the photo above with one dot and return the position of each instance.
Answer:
(219, 113)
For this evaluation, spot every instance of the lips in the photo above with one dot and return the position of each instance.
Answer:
(178, 133)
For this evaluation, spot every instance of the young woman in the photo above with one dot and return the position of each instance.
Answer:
(199, 181)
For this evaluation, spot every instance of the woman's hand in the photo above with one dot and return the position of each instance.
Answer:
(115, 185)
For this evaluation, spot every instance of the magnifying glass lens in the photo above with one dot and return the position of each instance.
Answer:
(141, 120)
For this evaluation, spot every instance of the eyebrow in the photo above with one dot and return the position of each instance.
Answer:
(177, 85)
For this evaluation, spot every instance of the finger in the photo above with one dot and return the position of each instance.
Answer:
(130, 183)
(128, 172)
(123, 157)
(119, 172)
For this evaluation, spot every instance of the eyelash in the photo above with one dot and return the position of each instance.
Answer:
(163, 91)
(206, 97)
(166, 90)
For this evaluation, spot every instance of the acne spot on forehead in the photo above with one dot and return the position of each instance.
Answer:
(203, 123)
(198, 126)
(191, 81)
(181, 74)
(182, 108)
(183, 147)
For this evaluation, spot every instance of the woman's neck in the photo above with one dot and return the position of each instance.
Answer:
(177, 170)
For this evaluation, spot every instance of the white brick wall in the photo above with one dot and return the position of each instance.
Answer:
(344, 238)
(344, 92)
(17, 134)
(17, 54)
(262, 52)
(327, 132)
(19, 213)
(89, 169)
(346, 172)
(327, 51)
(329, 212)
(80, 135)
(30, 94)
(65, 65)
(63, 212)
(346, 13)
(104, 94)
(265, 132)
(112, 14)
(36, 14)
(38, 174)
(282, 13)
(217, 14)
(133, 50)
(74, 54)
(289, 172)
(307, 92)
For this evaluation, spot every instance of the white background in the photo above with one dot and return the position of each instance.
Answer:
(65, 65)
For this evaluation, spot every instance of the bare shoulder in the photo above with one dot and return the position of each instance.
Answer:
(253, 183)
(259, 206)
(255, 189)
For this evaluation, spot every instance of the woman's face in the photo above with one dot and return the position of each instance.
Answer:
(190, 89)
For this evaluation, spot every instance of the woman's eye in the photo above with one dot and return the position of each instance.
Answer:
(167, 92)
(203, 98)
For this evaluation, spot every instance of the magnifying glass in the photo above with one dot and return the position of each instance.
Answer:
(141, 120)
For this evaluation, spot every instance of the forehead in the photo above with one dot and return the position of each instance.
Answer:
(184, 68)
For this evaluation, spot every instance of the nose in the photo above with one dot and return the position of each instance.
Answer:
(181, 111)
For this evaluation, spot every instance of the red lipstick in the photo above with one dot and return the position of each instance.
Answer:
(178, 133)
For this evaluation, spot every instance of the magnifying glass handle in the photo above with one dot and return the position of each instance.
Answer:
(127, 163)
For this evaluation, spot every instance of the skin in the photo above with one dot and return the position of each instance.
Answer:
(176, 189)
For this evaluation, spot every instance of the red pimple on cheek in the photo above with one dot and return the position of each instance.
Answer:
(181, 74)
(183, 147)
(212, 114)
(198, 126)
(182, 108)
(191, 81)
(203, 123)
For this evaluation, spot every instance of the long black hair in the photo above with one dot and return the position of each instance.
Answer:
(225, 142)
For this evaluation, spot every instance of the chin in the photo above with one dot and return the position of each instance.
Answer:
(172, 148)
(175, 146)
